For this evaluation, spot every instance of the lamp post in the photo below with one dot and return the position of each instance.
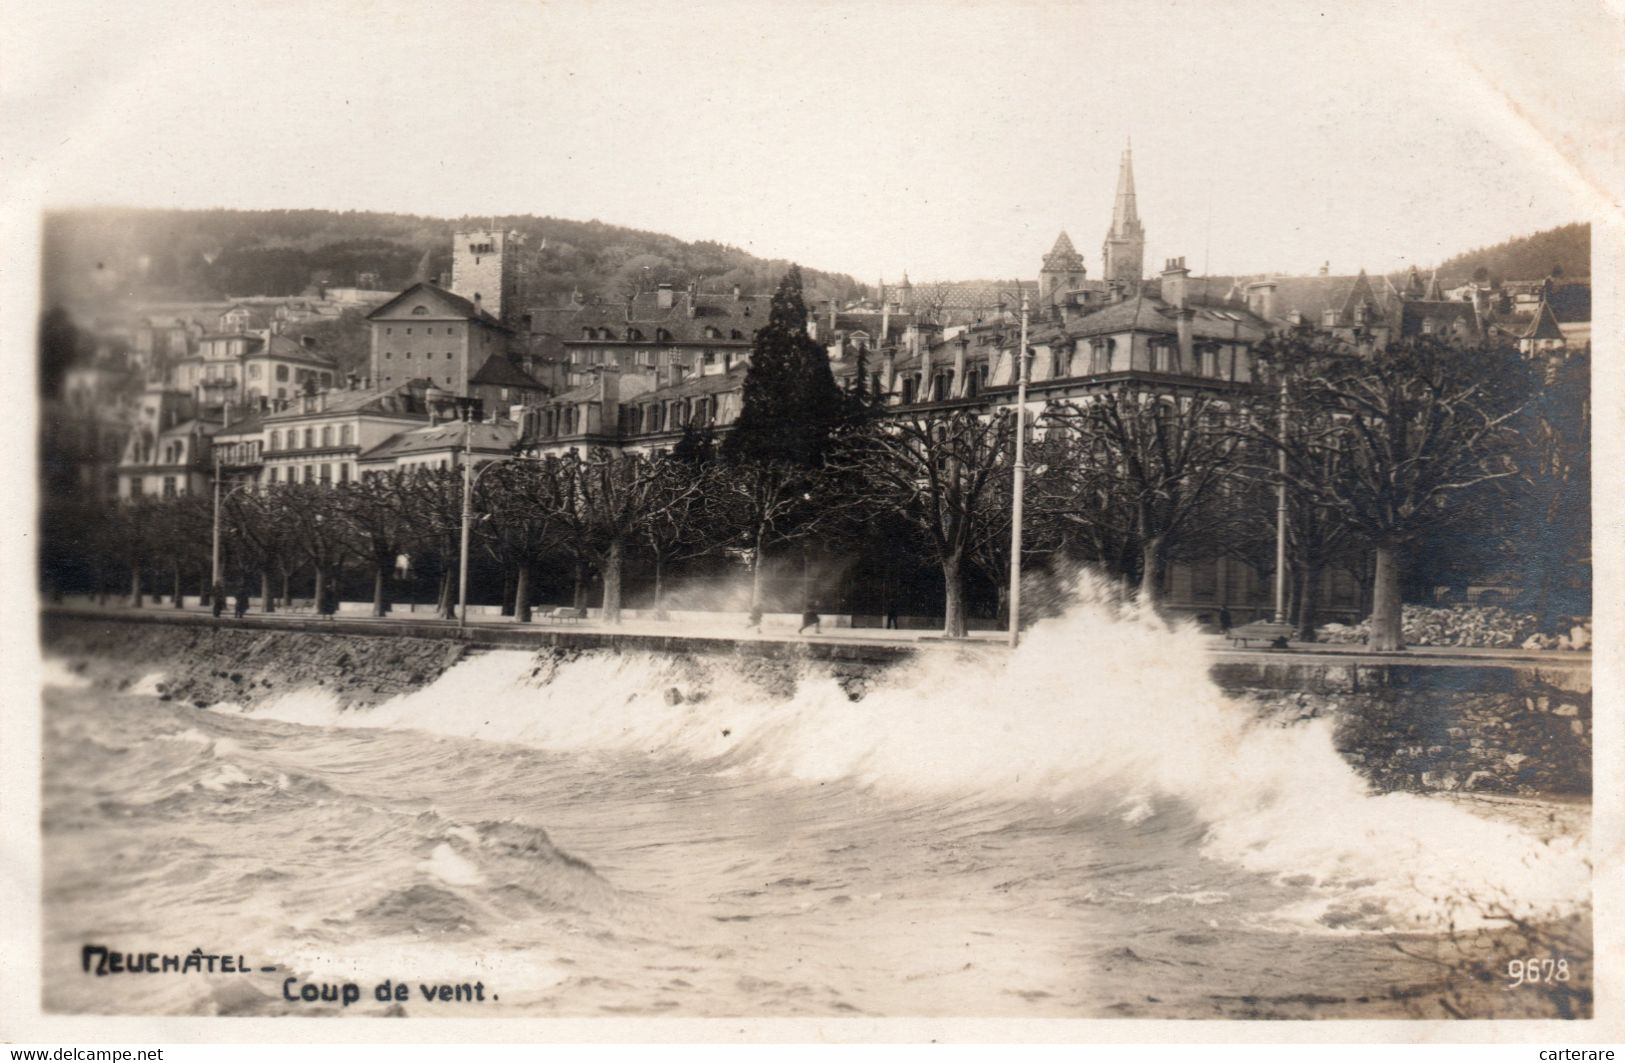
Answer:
(465, 408)
(1018, 490)
(214, 553)
(1280, 509)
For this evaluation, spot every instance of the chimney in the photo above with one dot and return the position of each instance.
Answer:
(888, 369)
(1261, 299)
(663, 296)
(1175, 278)
(831, 317)
(1187, 346)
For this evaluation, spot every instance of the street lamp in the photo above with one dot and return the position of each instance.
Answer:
(214, 566)
(1018, 490)
(1280, 510)
(465, 408)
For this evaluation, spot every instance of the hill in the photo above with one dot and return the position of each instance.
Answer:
(1526, 257)
(205, 254)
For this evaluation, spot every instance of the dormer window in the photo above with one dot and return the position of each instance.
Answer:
(419, 311)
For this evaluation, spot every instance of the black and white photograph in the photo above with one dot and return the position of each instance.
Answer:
(1052, 514)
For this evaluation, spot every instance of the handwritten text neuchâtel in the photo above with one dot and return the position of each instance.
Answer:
(114, 961)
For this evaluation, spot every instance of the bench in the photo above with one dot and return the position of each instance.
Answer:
(1275, 635)
(564, 614)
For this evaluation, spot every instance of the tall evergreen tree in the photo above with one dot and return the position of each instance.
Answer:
(792, 405)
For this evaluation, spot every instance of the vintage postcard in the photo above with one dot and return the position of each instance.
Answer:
(848, 521)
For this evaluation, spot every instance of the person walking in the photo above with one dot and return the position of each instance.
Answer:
(217, 598)
(754, 623)
(809, 619)
(242, 603)
(1224, 620)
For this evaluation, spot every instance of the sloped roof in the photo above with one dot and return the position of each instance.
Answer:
(453, 303)
(1063, 256)
(710, 384)
(486, 436)
(286, 347)
(250, 424)
(1544, 327)
(498, 371)
(395, 399)
(645, 314)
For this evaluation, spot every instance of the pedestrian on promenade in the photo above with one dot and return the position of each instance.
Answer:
(1224, 620)
(891, 618)
(809, 619)
(330, 601)
(242, 603)
(217, 597)
(755, 621)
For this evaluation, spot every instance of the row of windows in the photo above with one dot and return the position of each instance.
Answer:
(408, 354)
(451, 330)
(388, 379)
(345, 437)
(322, 473)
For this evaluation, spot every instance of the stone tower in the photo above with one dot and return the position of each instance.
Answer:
(485, 270)
(1123, 253)
(1063, 270)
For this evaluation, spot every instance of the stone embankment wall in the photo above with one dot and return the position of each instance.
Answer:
(1534, 740)
(207, 665)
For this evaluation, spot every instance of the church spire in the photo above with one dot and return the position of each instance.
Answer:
(1123, 253)
(1125, 212)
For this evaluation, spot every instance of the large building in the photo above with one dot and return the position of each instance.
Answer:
(429, 333)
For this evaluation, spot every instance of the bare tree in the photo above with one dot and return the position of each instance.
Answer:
(1391, 439)
(1150, 468)
(380, 523)
(936, 470)
(606, 500)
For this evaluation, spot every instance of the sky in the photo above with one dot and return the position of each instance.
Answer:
(946, 139)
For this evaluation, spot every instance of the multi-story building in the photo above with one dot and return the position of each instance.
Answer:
(320, 438)
(168, 451)
(431, 334)
(237, 368)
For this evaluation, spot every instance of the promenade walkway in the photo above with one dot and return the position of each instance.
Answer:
(781, 629)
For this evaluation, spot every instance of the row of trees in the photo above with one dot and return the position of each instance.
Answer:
(1397, 464)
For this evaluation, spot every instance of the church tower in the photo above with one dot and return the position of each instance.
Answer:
(1123, 253)
(1062, 270)
(485, 270)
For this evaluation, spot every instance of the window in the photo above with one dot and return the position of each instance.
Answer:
(448, 356)
(344, 472)
(282, 373)
(270, 476)
(345, 436)
(310, 438)
(253, 370)
(327, 474)
(135, 487)
(389, 332)
(310, 474)
(389, 355)
(276, 440)
(451, 330)
(169, 487)
(327, 435)
(429, 331)
(409, 331)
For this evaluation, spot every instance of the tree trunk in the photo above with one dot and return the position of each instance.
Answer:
(507, 590)
(579, 601)
(953, 587)
(756, 573)
(1387, 619)
(1308, 584)
(1151, 569)
(612, 583)
(321, 588)
(135, 586)
(521, 594)
(265, 591)
(379, 576)
(179, 597)
(446, 607)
